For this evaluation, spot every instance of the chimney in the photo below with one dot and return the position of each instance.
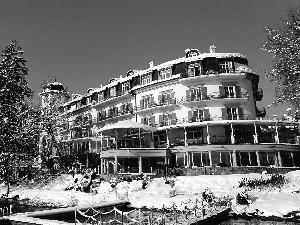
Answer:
(151, 64)
(212, 49)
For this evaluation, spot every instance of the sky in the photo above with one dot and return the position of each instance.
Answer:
(84, 43)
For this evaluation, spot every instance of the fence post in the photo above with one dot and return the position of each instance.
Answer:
(75, 215)
(122, 218)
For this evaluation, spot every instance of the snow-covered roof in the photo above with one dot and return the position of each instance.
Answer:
(115, 81)
(54, 86)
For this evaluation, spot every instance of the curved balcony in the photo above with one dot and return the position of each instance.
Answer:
(197, 80)
(229, 98)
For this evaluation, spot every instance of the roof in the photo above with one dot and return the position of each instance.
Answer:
(55, 86)
(115, 81)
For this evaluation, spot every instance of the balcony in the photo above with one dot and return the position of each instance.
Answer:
(119, 96)
(195, 100)
(115, 116)
(87, 123)
(159, 105)
(211, 76)
(259, 94)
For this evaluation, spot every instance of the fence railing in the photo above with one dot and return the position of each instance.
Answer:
(183, 213)
(5, 211)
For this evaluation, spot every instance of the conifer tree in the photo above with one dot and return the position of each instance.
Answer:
(284, 44)
(18, 128)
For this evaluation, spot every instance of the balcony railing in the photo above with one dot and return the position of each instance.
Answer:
(217, 95)
(116, 115)
(168, 102)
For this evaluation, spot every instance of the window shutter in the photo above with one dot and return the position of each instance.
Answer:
(153, 120)
(160, 118)
(206, 115)
(174, 118)
(222, 92)
(173, 95)
(141, 104)
(224, 114)
(159, 98)
(188, 94)
(241, 113)
(238, 91)
(142, 120)
(204, 92)
(152, 100)
(116, 110)
(190, 115)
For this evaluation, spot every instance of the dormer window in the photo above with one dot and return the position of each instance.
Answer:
(225, 67)
(112, 92)
(100, 96)
(146, 79)
(164, 73)
(194, 70)
(125, 86)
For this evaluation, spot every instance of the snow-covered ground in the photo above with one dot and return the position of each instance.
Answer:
(277, 202)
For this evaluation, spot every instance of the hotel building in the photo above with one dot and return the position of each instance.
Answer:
(203, 106)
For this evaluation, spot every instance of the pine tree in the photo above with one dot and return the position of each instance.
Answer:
(284, 44)
(18, 133)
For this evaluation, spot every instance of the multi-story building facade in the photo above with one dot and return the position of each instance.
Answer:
(203, 106)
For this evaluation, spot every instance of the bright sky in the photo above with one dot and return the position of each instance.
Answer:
(85, 43)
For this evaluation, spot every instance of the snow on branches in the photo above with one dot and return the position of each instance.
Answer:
(284, 44)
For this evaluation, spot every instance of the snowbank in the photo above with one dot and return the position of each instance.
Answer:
(277, 202)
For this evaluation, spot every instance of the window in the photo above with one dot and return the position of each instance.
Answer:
(125, 87)
(232, 113)
(165, 98)
(229, 92)
(164, 73)
(194, 70)
(147, 121)
(146, 79)
(100, 97)
(225, 67)
(146, 102)
(197, 115)
(166, 119)
(195, 94)
(194, 135)
(112, 92)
